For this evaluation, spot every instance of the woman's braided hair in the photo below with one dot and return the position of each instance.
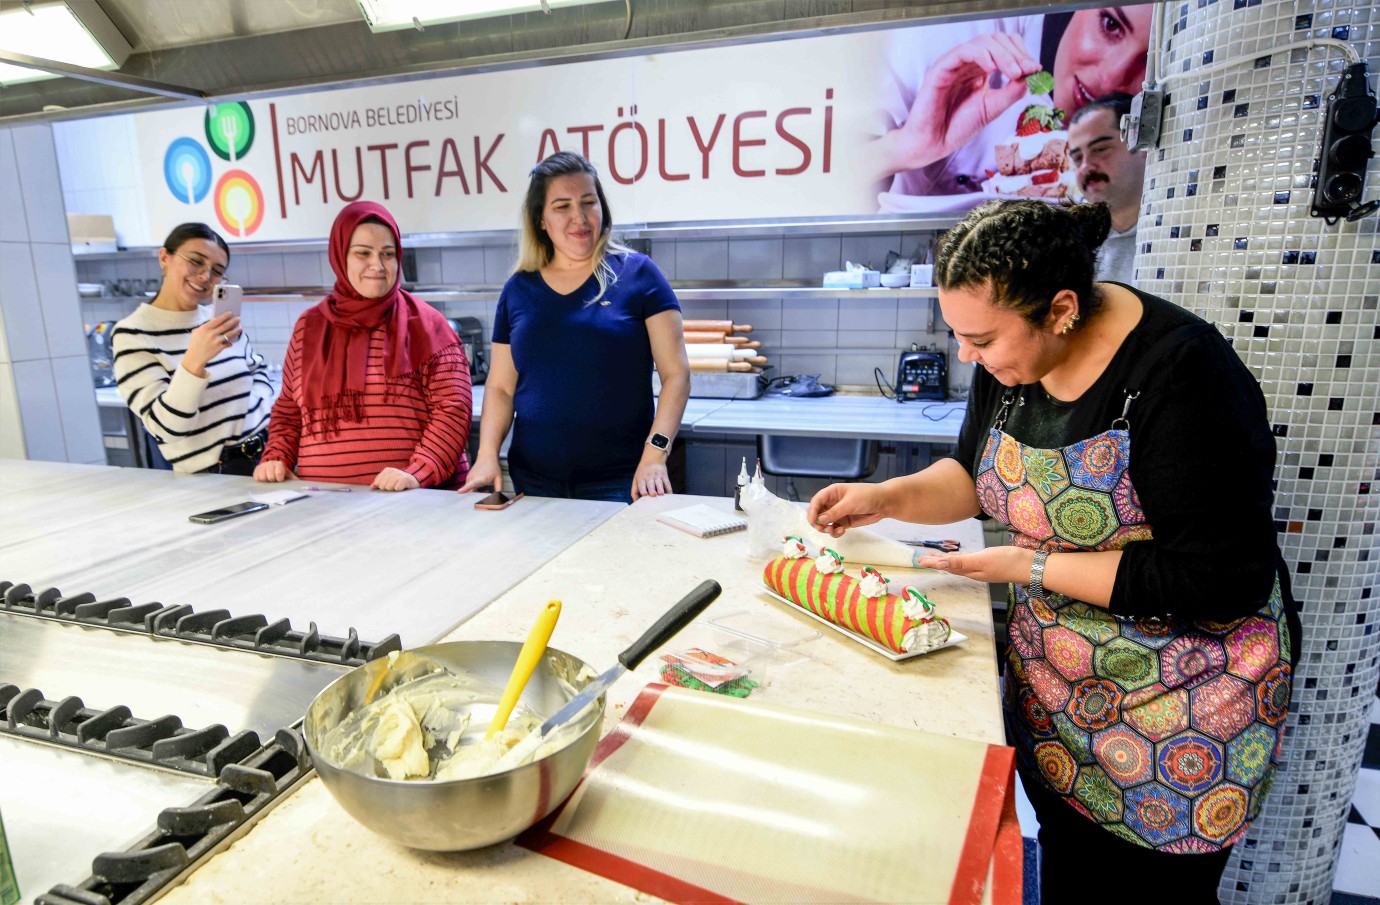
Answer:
(1027, 252)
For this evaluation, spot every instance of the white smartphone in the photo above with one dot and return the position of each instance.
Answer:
(226, 297)
(229, 512)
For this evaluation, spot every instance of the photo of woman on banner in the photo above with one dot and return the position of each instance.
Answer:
(979, 109)
(376, 388)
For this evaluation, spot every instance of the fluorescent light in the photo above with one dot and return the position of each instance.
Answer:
(392, 15)
(54, 31)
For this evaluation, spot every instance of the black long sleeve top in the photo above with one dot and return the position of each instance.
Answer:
(1202, 461)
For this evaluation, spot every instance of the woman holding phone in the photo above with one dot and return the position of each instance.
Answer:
(193, 380)
(376, 388)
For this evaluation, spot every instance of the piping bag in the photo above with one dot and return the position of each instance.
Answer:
(771, 519)
(665, 628)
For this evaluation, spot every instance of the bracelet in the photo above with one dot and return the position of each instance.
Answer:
(1036, 588)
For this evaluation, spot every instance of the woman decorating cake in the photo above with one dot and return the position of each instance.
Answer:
(1150, 625)
(577, 330)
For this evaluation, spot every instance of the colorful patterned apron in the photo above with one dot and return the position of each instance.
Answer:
(1164, 732)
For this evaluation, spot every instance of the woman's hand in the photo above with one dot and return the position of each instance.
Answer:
(394, 479)
(209, 340)
(272, 472)
(994, 565)
(957, 100)
(651, 477)
(483, 474)
(839, 507)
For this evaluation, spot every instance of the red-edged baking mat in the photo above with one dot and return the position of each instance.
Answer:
(699, 798)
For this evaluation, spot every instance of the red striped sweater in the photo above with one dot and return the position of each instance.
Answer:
(423, 433)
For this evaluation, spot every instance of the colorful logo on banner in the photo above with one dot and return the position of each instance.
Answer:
(187, 170)
(239, 203)
(238, 199)
(229, 130)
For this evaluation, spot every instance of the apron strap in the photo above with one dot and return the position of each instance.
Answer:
(1150, 359)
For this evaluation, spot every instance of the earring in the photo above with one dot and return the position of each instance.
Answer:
(1068, 325)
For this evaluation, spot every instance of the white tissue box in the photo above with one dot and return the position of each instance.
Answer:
(852, 279)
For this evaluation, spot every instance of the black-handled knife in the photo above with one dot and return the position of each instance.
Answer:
(665, 628)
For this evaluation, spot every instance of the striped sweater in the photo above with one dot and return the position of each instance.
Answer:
(191, 417)
(423, 433)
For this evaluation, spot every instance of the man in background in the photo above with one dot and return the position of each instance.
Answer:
(1108, 171)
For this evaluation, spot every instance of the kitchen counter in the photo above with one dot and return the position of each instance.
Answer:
(614, 583)
(869, 417)
(851, 417)
(382, 563)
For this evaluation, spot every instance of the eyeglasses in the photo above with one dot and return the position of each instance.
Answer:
(200, 266)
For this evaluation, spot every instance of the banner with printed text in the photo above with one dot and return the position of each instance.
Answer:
(921, 119)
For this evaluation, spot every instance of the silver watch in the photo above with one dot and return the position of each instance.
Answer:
(1036, 588)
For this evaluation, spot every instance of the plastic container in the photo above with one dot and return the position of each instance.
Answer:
(760, 643)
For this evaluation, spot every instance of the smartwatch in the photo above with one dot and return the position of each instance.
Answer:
(660, 441)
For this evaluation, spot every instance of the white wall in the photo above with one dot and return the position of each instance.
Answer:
(47, 402)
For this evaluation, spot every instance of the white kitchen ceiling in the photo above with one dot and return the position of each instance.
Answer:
(238, 48)
(161, 24)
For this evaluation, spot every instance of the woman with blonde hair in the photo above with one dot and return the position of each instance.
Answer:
(579, 325)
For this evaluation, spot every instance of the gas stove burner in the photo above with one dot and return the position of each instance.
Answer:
(184, 836)
(115, 732)
(252, 633)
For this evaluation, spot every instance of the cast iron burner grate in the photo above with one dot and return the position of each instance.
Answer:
(253, 632)
(115, 732)
(184, 836)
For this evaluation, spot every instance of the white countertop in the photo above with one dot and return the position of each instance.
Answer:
(614, 583)
(411, 563)
(869, 417)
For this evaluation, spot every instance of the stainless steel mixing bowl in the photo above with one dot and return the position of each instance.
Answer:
(461, 813)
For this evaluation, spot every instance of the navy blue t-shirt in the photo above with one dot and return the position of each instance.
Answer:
(584, 392)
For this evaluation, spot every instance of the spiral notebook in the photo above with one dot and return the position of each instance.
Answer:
(703, 521)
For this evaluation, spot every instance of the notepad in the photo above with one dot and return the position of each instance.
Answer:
(703, 521)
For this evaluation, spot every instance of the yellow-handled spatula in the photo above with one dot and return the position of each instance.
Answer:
(528, 658)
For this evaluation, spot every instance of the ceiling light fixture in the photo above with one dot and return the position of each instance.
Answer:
(394, 15)
(76, 32)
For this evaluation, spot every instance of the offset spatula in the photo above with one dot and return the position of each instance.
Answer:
(676, 618)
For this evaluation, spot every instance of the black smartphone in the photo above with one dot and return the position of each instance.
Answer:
(229, 512)
(497, 500)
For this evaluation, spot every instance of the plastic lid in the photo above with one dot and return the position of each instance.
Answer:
(778, 634)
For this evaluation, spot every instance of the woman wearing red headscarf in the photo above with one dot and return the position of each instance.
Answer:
(376, 388)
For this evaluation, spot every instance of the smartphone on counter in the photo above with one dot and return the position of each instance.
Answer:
(229, 512)
(497, 500)
(226, 298)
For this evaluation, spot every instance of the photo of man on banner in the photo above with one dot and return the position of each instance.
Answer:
(977, 110)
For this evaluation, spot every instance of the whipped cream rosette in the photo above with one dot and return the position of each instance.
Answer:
(903, 623)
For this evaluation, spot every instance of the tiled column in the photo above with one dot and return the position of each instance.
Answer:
(1226, 232)
(47, 399)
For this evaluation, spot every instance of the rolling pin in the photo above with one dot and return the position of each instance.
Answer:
(705, 336)
(698, 351)
(717, 326)
(719, 364)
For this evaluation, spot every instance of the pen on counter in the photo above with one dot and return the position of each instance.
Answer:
(328, 489)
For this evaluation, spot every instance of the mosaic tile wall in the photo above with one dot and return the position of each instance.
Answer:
(1226, 232)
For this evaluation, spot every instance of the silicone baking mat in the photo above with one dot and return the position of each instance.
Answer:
(698, 798)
